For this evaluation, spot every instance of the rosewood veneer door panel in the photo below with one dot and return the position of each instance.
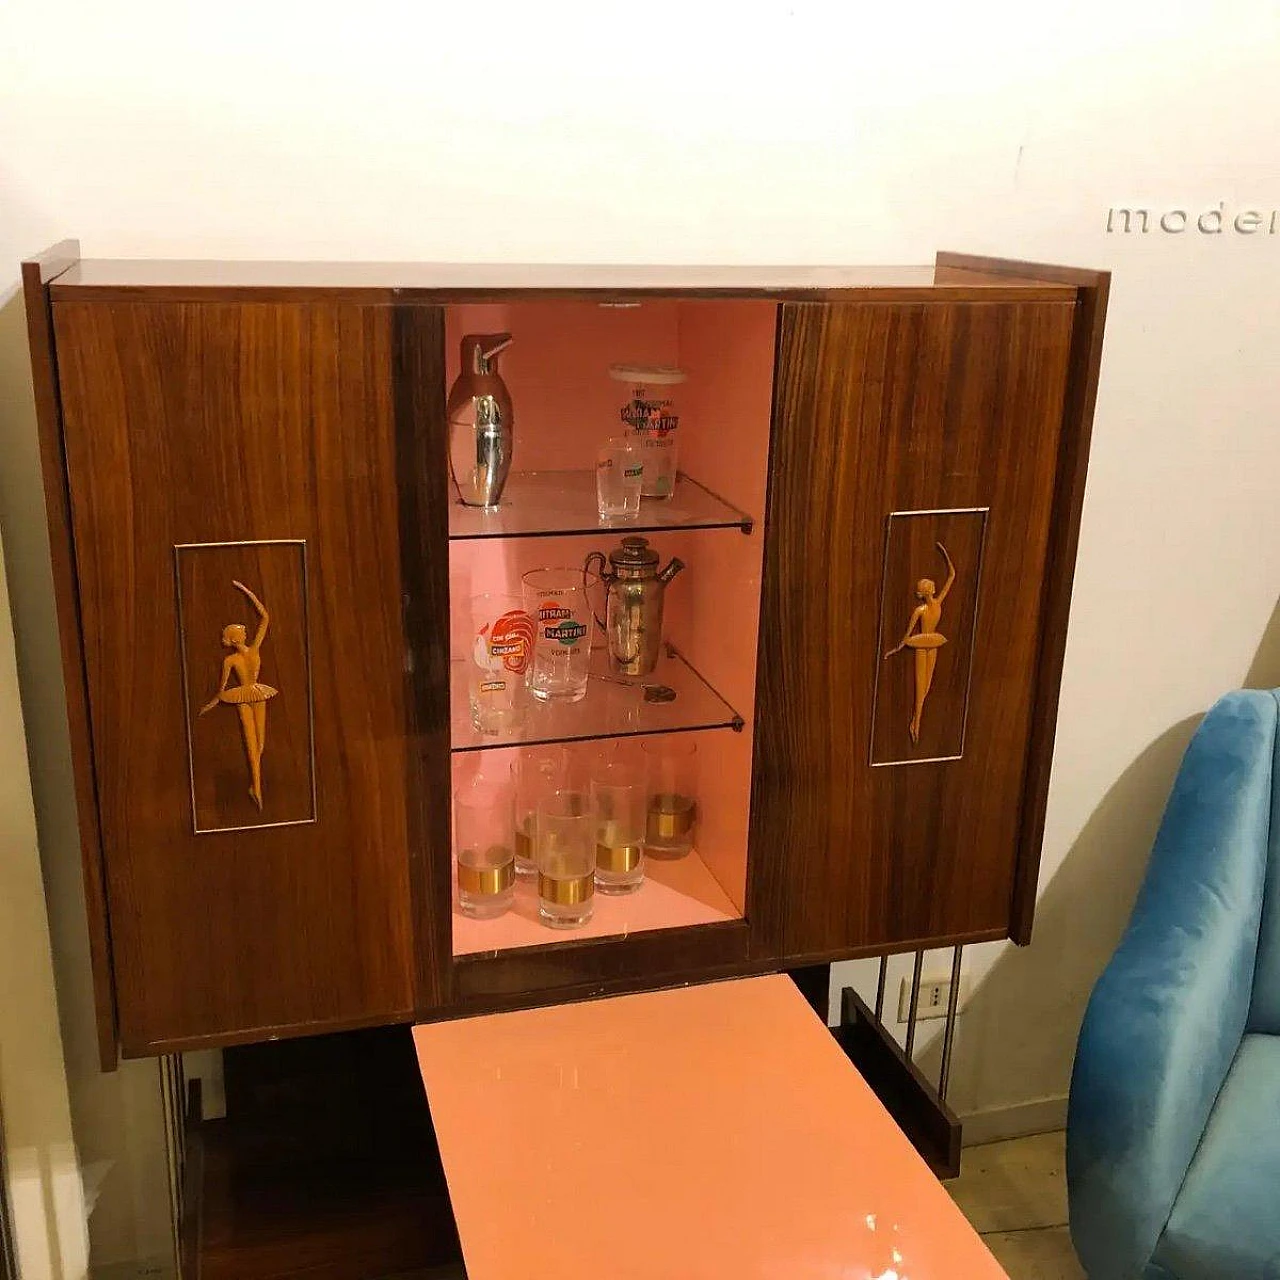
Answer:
(262, 852)
(898, 428)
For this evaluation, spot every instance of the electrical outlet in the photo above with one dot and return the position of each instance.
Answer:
(935, 993)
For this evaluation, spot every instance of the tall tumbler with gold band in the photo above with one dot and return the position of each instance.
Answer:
(672, 816)
(618, 810)
(536, 774)
(484, 846)
(566, 857)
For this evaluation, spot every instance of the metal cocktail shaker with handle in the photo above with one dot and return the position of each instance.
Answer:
(635, 591)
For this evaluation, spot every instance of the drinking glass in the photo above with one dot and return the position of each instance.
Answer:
(618, 811)
(484, 846)
(565, 848)
(672, 796)
(619, 469)
(556, 599)
(536, 773)
(657, 448)
(501, 647)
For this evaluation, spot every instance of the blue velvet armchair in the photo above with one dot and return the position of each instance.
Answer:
(1173, 1131)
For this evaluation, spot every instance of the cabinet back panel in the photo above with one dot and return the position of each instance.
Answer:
(952, 411)
(557, 369)
(190, 423)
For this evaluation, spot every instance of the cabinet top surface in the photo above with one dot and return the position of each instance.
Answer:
(390, 281)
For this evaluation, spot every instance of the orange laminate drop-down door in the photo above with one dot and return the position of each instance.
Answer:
(694, 1134)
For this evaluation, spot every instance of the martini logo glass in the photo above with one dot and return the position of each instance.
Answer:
(557, 599)
(559, 624)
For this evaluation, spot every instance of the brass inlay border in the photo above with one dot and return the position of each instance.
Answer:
(301, 543)
(984, 512)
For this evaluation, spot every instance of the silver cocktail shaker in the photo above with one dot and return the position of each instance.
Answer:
(635, 591)
(481, 422)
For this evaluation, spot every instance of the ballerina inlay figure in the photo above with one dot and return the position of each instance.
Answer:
(928, 640)
(248, 696)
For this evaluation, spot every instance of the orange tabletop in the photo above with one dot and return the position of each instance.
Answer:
(706, 1133)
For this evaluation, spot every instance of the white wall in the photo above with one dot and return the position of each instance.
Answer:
(816, 132)
(116, 1118)
(42, 1176)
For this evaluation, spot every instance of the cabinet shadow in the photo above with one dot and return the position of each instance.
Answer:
(1022, 1021)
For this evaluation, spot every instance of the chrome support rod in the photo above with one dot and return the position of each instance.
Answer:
(170, 1141)
(884, 973)
(949, 1033)
(915, 998)
(171, 1089)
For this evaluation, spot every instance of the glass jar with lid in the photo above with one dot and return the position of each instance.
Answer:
(650, 416)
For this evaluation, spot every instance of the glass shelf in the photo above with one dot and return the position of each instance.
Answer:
(538, 504)
(674, 895)
(613, 708)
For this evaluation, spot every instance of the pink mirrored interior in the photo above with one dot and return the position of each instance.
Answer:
(566, 405)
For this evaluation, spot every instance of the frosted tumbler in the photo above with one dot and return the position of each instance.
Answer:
(566, 856)
(537, 774)
(618, 810)
(672, 796)
(484, 846)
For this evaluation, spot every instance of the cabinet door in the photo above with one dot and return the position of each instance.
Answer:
(895, 696)
(246, 564)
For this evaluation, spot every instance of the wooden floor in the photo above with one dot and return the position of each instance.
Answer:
(1015, 1194)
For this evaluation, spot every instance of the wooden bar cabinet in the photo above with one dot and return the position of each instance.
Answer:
(263, 577)
(218, 437)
